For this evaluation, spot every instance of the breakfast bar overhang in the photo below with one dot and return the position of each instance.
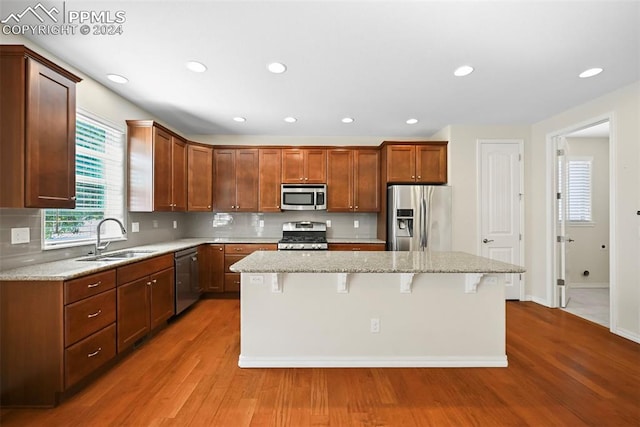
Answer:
(372, 309)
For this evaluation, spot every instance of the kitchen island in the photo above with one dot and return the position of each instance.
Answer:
(372, 309)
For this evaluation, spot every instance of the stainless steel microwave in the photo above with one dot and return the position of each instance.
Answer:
(303, 197)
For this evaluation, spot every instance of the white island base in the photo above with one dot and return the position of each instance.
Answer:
(327, 319)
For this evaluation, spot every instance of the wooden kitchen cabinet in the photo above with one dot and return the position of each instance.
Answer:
(211, 268)
(235, 177)
(419, 162)
(37, 131)
(157, 168)
(145, 298)
(304, 166)
(353, 180)
(270, 178)
(356, 246)
(233, 253)
(199, 178)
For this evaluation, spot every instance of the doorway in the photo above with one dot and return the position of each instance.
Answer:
(582, 214)
(500, 199)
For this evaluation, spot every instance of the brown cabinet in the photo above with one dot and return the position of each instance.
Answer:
(37, 131)
(270, 171)
(199, 178)
(157, 168)
(145, 298)
(235, 177)
(421, 162)
(304, 165)
(211, 268)
(353, 180)
(234, 253)
(356, 246)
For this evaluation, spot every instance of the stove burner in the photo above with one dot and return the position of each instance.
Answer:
(303, 236)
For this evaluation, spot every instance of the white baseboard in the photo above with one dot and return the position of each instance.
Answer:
(537, 300)
(373, 362)
(579, 285)
(633, 336)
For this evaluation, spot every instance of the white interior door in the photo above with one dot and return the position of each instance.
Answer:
(562, 183)
(500, 195)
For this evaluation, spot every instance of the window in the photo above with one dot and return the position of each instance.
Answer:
(99, 187)
(579, 177)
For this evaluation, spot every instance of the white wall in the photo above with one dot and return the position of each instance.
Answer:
(585, 253)
(624, 107)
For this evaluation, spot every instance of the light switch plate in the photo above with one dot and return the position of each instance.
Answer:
(356, 224)
(175, 224)
(135, 227)
(20, 235)
(328, 223)
(261, 223)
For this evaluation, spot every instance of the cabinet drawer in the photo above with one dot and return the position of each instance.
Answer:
(229, 260)
(77, 289)
(131, 272)
(89, 354)
(248, 248)
(85, 317)
(232, 282)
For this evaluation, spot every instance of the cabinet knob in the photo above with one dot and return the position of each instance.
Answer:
(419, 177)
(209, 207)
(356, 207)
(413, 177)
(301, 178)
(154, 281)
(148, 283)
(73, 198)
(306, 179)
(350, 207)
(219, 249)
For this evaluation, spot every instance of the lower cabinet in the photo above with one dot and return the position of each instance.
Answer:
(145, 298)
(234, 253)
(356, 246)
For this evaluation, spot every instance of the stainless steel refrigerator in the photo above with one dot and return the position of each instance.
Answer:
(418, 218)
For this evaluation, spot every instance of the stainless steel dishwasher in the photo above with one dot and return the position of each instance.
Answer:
(187, 287)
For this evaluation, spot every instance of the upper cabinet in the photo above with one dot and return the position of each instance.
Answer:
(37, 131)
(199, 178)
(353, 180)
(419, 162)
(235, 180)
(157, 168)
(270, 160)
(304, 166)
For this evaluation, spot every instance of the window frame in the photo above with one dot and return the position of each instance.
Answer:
(578, 222)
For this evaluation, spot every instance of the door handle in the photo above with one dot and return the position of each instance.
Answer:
(486, 241)
(570, 240)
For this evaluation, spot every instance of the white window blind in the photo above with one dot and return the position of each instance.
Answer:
(579, 183)
(99, 187)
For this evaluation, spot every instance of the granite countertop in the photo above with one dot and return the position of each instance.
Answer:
(371, 262)
(71, 268)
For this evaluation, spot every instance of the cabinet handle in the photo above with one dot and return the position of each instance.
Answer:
(238, 249)
(95, 353)
(95, 285)
(97, 313)
(148, 283)
(154, 281)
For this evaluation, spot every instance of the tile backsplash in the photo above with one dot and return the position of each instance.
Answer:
(158, 227)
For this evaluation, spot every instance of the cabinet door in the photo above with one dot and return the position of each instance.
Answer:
(162, 301)
(401, 163)
(200, 178)
(50, 174)
(292, 166)
(211, 268)
(162, 167)
(315, 166)
(133, 312)
(431, 163)
(340, 180)
(247, 180)
(224, 180)
(179, 175)
(367, 181)
(270, 162)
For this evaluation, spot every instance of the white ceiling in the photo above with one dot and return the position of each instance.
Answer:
(379, 62)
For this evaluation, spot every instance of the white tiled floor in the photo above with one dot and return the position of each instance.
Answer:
(590, 303)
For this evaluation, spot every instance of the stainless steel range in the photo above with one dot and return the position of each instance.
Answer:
(303, 236)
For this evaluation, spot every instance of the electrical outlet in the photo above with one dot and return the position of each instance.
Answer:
(135, 227)
(356, 224)
(256, 280)
(261, 223)
(154, 223)
(175, 224)
(328, 223)
(20, 235)
(375, 325)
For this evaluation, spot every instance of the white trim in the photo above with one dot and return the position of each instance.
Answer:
(585, 285)
(538, 300)
(624, 333)
(520, 143)
(373, 362)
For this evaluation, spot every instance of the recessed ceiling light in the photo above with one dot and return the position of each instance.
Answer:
(465, 70)
(239, 119)
(117, 78)
(412, 121)
(196, 67)
(277, 67)
(347, 120)
(290, 119)
(590, 73)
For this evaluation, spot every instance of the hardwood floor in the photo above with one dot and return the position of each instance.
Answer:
(563, 370)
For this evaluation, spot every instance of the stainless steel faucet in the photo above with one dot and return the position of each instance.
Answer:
(101, 247)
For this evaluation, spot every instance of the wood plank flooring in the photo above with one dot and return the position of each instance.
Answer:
(563, 370)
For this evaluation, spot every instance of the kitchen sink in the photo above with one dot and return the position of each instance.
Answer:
(117, 256)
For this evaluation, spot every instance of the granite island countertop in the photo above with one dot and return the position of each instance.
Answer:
(370, 262)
